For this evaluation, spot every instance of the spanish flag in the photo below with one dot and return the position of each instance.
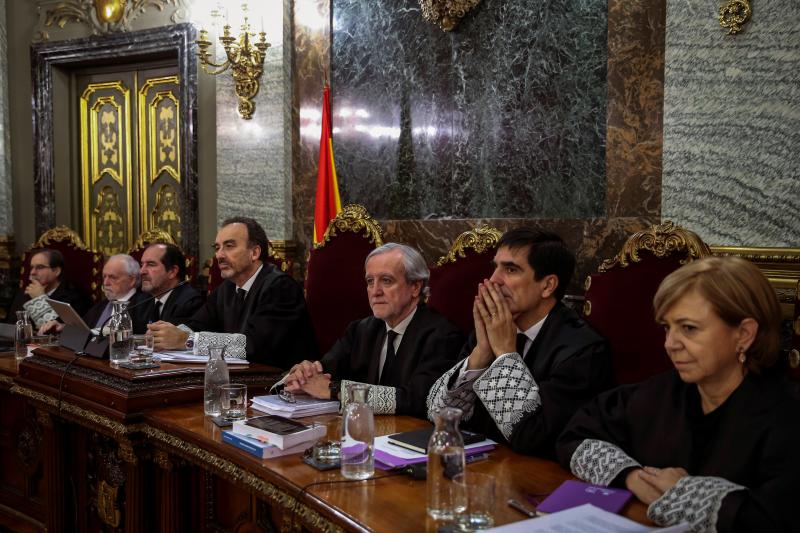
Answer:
(328, 203)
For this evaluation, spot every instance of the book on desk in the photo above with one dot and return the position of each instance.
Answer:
(258, 448)
(281, 432)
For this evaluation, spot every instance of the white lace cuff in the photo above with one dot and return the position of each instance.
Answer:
(462, 397)
(508, 391)
(39, 310)
(382, 399)
(693, 499)
(599, 462)
(235, 343)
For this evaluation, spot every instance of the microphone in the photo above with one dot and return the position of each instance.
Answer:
(98, 346)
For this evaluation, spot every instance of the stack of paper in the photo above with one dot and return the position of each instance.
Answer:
(185, 356)
(388, 455)
(302, 406)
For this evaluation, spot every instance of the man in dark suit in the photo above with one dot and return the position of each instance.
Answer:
(120, 283)
(531, 362)
(258, 312)
(163, 270)
(46, 280)
(400, 350)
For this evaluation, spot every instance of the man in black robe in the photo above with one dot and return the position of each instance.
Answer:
(46, 280)
(400, 350)
(164, 278)
(259, 313)
(531, 361)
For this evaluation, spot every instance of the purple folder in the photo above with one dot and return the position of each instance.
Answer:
(387, 461)
(573, 493)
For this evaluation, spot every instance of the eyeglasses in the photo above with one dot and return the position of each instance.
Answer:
(40, 267)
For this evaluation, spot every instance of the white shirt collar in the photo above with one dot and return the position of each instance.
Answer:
(400, 328)
(534, 330)
(127, 296)
(252, 279)
(164, 297)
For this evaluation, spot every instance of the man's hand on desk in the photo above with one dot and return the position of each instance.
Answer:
(166, 336)
(317, 386)
(51, 326)
(301, 372)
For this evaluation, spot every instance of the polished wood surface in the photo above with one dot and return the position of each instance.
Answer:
(394, 503)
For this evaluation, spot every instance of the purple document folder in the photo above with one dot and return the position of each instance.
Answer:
(573, 493)
(386, 461)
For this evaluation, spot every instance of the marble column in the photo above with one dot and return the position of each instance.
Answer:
(6, 190)
(254, 156)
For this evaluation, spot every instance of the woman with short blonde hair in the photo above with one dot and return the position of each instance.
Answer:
(714, 441)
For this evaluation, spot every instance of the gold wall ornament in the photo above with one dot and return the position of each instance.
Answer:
(100, 16)
(152, 236)
(661, 240)
(60, 234)
(107, 504)
(356, 219)
(244, 58)
(479, 239)
(734, 14)
(446, 13)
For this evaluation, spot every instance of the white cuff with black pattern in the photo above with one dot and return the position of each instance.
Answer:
(39, 310)
(693, 499)
(381, 398)
(599, 462)
(508, 391)
(462, 397)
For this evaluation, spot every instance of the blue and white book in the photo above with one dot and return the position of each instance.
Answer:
(262, 450)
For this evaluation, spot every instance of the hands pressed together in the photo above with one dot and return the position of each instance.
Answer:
(649, 483)
(308, 377)
(495, 329)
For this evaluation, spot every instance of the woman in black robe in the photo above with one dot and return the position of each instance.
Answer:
(716, 441)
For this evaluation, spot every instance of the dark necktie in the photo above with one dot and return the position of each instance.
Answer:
(390, 363)
(157, 311)
(521, 340)
(241, 294)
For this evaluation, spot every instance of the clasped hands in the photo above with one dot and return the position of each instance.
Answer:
(650, 483)
(309, 377)
(495, 330)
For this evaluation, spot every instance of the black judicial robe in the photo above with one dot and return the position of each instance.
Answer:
(138, 316)
(274, 320)
(428, 347)
(182, 304)
(571, 364)
(752, 439)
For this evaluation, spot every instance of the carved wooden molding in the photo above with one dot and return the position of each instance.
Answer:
(479, 239)
(446, 13)
(153, 236)
(661, 240)
(356, 219)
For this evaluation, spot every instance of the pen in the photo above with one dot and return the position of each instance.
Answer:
(514, 504)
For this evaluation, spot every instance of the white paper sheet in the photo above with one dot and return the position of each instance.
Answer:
(583, 519)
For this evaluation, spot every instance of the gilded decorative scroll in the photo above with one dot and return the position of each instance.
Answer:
(151, 236)
(446, 13)
(60, 234)
(101, 16)
(734, 14)
(356, 219)
(107, 507)
(479, 239)
(166, 214)
(106, 167)
(661, 240)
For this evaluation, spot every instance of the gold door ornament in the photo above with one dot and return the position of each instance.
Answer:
(106, 167)
(734, 14)
(166, 213)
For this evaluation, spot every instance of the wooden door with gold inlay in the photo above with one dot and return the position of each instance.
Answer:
(130, 167)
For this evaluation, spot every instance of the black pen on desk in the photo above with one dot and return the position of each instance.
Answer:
(514, 504)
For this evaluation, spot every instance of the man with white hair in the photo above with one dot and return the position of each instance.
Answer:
(120, 283)
(401, 350)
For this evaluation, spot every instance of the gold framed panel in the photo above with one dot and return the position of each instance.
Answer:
(159, 156)
(105, 134)
(781, 266)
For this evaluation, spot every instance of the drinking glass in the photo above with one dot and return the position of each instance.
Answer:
(480, 493)
(142, 353)
(233, 398)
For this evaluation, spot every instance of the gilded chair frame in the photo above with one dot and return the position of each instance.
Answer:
(480, 239)
(356, 219)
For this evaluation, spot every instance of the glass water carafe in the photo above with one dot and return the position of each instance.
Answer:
(446, 498)
(358, 435)
(216, 376)
(22, 335)
(120, 336)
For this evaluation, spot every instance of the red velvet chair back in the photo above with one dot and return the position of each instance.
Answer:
(619, 298)
(159, 236)
(83, 268)
(335, 291)
(215, 277)
(794, 354)
(455, 278)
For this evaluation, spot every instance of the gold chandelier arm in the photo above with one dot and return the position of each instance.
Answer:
(220, 68)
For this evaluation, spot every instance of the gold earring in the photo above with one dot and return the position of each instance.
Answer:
(742, 355)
